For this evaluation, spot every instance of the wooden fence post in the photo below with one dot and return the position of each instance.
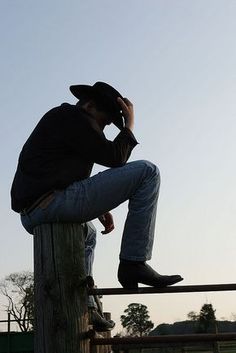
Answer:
(61, 314)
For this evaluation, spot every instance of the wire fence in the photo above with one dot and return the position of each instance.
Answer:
(6, 325)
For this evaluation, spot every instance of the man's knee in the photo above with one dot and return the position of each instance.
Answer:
(150, 167)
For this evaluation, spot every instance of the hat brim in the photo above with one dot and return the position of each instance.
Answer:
(82, 91)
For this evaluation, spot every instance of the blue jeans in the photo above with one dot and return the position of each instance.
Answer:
(87, 199)
(90, 243)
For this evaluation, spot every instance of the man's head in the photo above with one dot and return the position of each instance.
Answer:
(104, 97)
(102, 117)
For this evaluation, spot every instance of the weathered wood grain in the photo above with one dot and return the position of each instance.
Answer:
(60, 289)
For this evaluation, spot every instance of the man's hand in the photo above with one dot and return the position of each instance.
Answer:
(127, 112)
(107, 221)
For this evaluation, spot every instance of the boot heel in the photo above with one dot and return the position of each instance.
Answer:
(129, 285)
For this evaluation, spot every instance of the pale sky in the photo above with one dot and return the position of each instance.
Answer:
(175, 60)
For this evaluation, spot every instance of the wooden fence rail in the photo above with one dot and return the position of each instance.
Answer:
(173, 289)
(165, 339)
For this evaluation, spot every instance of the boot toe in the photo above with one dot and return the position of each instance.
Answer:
(129, 275)
(100, 324)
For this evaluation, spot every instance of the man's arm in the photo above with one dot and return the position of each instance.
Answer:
(92, 144)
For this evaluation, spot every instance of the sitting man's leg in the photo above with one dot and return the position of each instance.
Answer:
(99, 323)
(90, 198)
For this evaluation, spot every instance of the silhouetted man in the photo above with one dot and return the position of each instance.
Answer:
(53, 183)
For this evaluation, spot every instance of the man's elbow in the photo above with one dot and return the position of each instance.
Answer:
(118, 163)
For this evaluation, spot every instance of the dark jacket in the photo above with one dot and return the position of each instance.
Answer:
(62, 149)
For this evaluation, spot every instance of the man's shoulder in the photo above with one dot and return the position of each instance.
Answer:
(64, 117)
(64, 108)
(64, 112)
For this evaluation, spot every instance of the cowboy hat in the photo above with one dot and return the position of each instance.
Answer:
(106, 95)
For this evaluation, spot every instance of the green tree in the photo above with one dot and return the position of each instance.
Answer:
(207, 319)
(18, 288)
(136, 320)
